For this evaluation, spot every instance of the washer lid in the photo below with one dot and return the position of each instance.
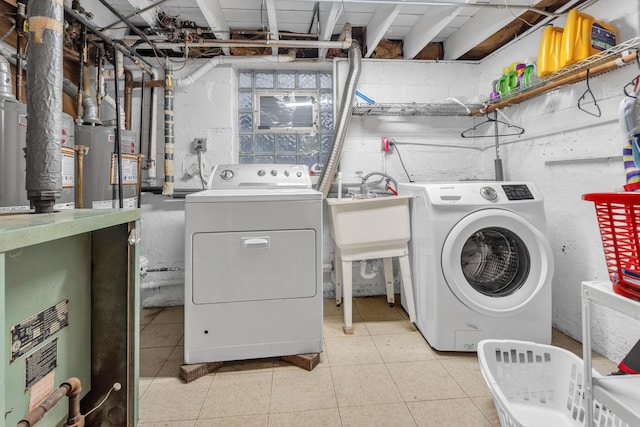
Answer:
(253, 195)
(495, 262)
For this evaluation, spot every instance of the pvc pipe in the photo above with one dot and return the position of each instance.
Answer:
(363, 270)
(218, 60)
(339, 185)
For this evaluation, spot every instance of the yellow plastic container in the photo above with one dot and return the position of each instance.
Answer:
(550, 50)
(585, 36)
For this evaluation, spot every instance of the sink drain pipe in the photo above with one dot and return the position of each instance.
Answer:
(44, 106)
(344, 119)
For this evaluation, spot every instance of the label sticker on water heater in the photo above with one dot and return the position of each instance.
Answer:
(34, 330)
(68, 167)
(129, 169)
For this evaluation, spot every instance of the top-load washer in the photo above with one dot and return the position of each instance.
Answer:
(253, 251)
(482, 266)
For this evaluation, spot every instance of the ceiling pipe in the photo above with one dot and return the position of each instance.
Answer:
(130, 25)
(296, 44)
(136, 13)
(44, 109)
(219, 60)
(126, 50)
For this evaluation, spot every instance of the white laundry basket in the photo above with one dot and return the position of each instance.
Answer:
(537, 385)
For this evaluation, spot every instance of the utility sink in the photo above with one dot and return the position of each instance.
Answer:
(369, 227)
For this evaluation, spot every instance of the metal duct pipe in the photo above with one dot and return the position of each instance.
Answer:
(89, 106)
(6, 91)
(44, 109)
(344, 119)
(167, 188)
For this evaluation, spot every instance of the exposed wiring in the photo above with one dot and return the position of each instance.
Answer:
(116, 387)
(516, 16)
(400, 157)
(13, 27)
(202, 180)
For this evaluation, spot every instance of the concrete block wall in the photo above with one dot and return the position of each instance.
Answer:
(564, 151)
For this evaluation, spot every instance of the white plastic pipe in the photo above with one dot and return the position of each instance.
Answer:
(363, 270)
(219, 60)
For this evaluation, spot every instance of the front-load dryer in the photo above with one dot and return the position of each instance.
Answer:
(482, 266)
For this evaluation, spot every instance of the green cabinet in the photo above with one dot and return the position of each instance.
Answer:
(69, 293)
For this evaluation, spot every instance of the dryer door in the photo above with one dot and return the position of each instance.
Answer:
(495, 262)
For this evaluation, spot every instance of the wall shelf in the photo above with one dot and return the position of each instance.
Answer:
(618, 56)
(620, 394)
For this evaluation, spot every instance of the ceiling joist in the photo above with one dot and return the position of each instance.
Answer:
(379, 25)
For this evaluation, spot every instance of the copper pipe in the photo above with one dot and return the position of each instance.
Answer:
(99, 81)
(140, 157)
(72, 388)
(81, 151)
(128, 89)
(81, 72)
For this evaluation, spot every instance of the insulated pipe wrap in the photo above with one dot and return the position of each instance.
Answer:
(167, 188)
(344, 119)
(44, 109)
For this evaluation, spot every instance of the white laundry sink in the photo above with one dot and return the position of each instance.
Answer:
(371, 226)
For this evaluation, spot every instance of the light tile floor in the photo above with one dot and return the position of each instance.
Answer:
(384, 375)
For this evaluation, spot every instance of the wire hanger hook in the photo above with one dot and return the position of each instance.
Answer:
(584, 100)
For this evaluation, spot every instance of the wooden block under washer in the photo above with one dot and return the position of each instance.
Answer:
(305, 361)
(190, 373)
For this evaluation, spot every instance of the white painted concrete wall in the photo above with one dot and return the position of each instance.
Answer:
(564, 151)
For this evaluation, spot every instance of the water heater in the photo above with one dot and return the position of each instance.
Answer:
(13, 137)
(100, 177)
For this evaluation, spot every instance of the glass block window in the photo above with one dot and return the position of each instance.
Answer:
(290, 145)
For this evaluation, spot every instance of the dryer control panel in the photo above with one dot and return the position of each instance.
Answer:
(259, 176)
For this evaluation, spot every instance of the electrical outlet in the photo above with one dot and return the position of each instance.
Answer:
(199, 145)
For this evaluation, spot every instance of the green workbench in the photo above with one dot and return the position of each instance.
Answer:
(69, 295)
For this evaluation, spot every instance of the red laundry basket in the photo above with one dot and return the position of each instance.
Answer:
(619, 220)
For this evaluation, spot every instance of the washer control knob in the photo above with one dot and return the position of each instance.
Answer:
(299, 174)
(287, 173)
(261, 172)
(274, 172)
(489, 193)
(226, 174)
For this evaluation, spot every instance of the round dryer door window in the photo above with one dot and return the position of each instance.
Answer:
(495, 262)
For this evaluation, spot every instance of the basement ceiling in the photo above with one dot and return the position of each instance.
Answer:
(398, 29)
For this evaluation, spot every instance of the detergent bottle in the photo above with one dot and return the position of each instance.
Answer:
(549, 53)
(584, 36)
